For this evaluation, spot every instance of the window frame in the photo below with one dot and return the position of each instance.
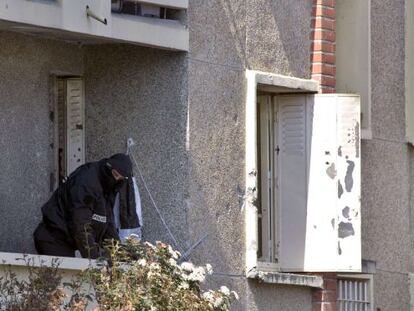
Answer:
(55, 125)
(277, 84)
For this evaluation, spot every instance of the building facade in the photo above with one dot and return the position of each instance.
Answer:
(186, 80)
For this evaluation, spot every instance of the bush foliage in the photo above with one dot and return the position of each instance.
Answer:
(133, 276)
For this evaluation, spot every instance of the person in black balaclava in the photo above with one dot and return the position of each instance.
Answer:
(79, 214)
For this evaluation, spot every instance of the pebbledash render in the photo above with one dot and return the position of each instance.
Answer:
(278, 132)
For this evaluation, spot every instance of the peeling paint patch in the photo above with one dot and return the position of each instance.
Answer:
(357, 138)
(340, 189)
(333, 223)
(340, 151)
(349, 181)
(339, 248)
(345, 229)
(331, 171)
(345, 212)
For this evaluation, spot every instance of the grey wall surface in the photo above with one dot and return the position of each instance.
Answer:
(26, 157)
(226, 38)
(142, 93)
(386, 163)
(130, 92)
(186, 113)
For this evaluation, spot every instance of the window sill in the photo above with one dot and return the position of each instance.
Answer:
(287, 278)
(64, 263)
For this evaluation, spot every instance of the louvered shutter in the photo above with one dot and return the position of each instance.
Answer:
(75, 124)
(292, 180)
(319, 167)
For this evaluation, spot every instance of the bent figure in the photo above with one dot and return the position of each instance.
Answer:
(79, 214)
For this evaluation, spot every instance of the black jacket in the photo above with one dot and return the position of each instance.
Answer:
(81, 208)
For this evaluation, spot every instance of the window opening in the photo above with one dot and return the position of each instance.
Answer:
(355, 294)
(70, 126)
(268, 136)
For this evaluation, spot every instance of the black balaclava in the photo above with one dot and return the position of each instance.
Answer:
(120, 162)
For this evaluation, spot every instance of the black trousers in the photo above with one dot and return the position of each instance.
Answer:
(49, 241)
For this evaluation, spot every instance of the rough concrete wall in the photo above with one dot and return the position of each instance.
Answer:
(141, 93)
(277, 36)
(26, 157)
(224, 41)
(385, 161)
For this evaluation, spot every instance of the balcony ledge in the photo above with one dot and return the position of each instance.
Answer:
(287, 278)
(68, 20)
(64, 263)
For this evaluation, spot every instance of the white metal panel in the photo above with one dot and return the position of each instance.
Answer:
(349, 183)
(320, 221)
(75, 122)
(321, 234)
(292, 180)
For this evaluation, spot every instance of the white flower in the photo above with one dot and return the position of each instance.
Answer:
(142, 262)
(218, 302)
(172, 262)
(197, 275)
(225, 290)
(187, 266)
(208, 296)
(154, 266)
(149, 245)
(184, 285)
(209, 269)
(236, 296)
(172, 252)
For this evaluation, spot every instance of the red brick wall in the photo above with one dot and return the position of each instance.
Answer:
(323, 44)
(323, 70)
(325, 299)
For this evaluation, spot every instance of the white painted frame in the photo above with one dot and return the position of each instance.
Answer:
(54, 128)
(278, 83)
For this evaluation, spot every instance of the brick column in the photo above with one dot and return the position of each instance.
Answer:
(323, 44)
(323, 70)
(325, 299)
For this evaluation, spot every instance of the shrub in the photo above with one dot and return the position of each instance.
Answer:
(133, 276)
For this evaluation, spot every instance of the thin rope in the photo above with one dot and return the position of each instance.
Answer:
(153, 201)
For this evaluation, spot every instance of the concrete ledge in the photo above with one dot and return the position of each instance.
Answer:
(279, 83)
(288, 279)
(64, 263)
